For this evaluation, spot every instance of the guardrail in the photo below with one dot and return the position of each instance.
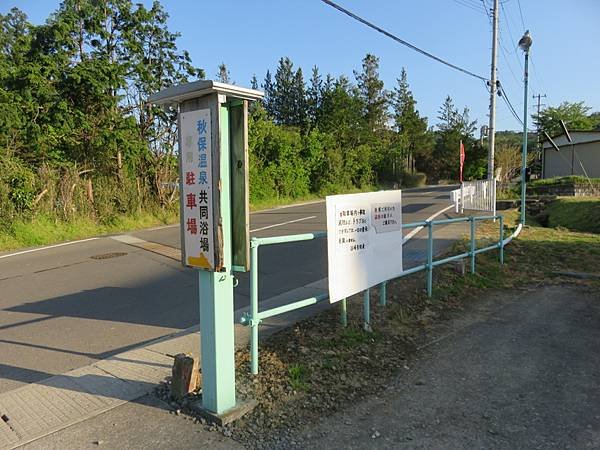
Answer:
(254, 317)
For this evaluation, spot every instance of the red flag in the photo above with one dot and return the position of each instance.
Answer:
(462, 160)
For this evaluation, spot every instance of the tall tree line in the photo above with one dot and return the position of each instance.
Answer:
(73, 104)
(341, 133)
(78, 137)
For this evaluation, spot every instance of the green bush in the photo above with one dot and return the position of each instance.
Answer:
(572, 179)
(578, 213)
(416, 179)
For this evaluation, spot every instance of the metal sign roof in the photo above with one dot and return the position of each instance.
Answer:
(177, 94)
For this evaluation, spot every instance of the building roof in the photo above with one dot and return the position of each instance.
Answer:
(579, 137)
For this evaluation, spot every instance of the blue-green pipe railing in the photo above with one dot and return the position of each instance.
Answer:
(254, 317)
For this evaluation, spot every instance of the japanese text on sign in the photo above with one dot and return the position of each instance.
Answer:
(196, 190)
(352, 227)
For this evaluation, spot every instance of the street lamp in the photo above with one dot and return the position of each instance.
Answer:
(524, 43)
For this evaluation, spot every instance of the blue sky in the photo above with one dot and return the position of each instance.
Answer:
(251, 36)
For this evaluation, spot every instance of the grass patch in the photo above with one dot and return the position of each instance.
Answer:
(257, 205)
(269, 203)
(577, 213)
(572, 179)
(297, 374)
(43, 229)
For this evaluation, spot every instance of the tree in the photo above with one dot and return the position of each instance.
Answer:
(575, 115)
(288, 100)
(314, 96)
(413, 138)
(268, 99)
(223, 75)
(372, 94)
(508, 161)
(80, 83)
(453, 127)
(254, 82)
(299, 113)
(284, 103)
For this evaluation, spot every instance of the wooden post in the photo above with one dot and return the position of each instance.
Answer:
(186, 375)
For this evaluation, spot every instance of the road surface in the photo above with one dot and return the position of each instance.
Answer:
(67, 306)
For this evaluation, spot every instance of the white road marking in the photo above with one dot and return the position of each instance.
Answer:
(162, 227)
(433, 216)
(48, 247)
(282, 223)
(287, 206)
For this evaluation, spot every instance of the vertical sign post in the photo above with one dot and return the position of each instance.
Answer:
(213, 215)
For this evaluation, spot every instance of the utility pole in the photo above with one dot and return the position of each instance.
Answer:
(493, 89)
(539, 106)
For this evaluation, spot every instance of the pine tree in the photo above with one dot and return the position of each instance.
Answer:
(223, 75)
(299, 113)
(268, 99)
(314, 95)
(455, 126)
(411, 127)
(283, 97)
(254, 82)
(372, 94)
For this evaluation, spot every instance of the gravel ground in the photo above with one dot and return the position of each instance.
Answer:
(512, 370)
(519, 370)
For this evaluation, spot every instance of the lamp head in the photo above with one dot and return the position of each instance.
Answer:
(525, 42)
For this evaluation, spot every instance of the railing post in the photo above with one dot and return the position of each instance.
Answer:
(429, 258)
(344, 313)
(382, 294)
(367, 310)
(472, 220)
(501, 239)
(254, 320)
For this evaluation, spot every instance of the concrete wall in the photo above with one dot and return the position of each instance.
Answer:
(559, 164)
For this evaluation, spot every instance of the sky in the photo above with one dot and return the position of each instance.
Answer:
(251, 36)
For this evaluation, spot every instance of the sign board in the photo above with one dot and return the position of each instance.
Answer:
(196, 187)
(364, 241)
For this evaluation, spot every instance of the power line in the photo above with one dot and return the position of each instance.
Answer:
(537, 77)
(510, 107)
(468, 5)
(487, 11)
(521, 14)
(401, 41)
(509, 104)
(512, 38)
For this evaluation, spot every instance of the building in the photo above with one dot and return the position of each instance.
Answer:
(580, 157)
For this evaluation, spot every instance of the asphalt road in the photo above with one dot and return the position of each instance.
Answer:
(64, 307)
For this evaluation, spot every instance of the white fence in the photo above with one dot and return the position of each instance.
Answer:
(477, 195)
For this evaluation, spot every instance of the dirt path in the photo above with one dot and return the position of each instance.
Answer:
(518, 370)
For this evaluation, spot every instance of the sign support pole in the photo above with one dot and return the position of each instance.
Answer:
(213, 161)
(216, 302)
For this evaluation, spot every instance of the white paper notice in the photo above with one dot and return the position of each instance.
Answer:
(364, 241)
(197, 190)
